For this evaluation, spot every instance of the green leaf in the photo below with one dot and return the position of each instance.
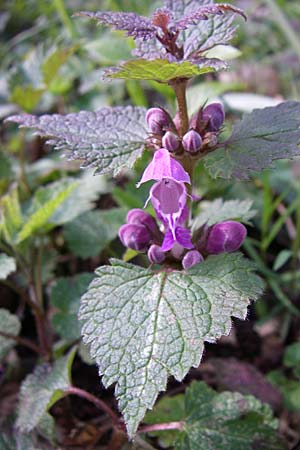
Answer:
(226, 421)
(41, 390)
(27, 97)
(292, 355)
(82, 198)
(10, 324)
(43, 212)
(210, 421)
(281, 259)
(160, 70)
(168, 409)
(11, 216)
(257, 140)
(91, 232)
(54, 61)
(143, 326)
(220, 211)
(65, 297)
(7, 266)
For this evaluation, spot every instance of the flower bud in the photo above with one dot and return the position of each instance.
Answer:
(177, 121)
(225, 237)
(156, 119)
(192, 141)
(214, 115)
(191, 258)
(140, 217)
(156, 255)
(136, 237)
(170, 141)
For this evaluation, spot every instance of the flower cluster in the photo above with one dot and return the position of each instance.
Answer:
(169, 194)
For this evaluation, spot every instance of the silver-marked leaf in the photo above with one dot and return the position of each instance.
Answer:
(257, 140)
(7, 266)
(210, 421)
(135, 25)
(220, 210)
(108, 139)
(162, 70)
(143, 326)
(41, 389)
(9, 324)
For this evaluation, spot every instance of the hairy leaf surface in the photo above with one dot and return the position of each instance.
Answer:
(108, 139)
(10, 324)
(143, 326)
(220, 210)
(41, 390)
(257, 140)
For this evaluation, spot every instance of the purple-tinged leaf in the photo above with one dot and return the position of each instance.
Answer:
(135, 25)
(203, 13)
(257, 140)
(108, 139)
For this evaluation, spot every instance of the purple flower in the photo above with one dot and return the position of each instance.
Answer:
(180, 236)
(136, 237)
(225, 237)
(191, 258)
(214, 115)
(192, 141)
(140, 217)
(157, 119)
(163, 165)
(156, 254)
(170, 141)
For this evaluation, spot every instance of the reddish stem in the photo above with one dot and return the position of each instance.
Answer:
(96, 401)
(22, 341)
(161, 427)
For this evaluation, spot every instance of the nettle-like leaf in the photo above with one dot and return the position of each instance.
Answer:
(198, 37)
(163, 71)
(143, 326)
(108, 139)
(7, 266)
(220, 211)
(257, 140)
(91, 232)
(217, 421)
(9, 324)
(41, 389)
(65, 297)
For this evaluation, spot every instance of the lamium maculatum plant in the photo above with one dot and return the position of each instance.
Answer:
(143, 325)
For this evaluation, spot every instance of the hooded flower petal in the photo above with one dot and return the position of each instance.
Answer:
(164, 166)
(182, 236)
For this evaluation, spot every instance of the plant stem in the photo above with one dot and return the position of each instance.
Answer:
(22, 341)
(161, 427)
(23, 295)
(96, 401)
(180, 91)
